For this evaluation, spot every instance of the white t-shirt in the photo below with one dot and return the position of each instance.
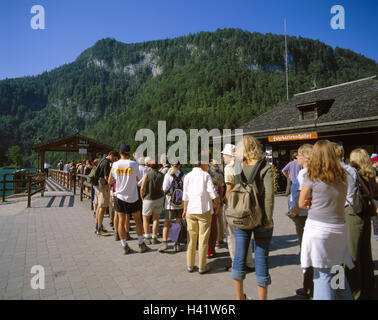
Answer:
(142, 171)
(300, 178)
(125, 173)
(168, 179)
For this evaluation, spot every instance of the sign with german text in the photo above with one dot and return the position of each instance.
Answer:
(293, 137)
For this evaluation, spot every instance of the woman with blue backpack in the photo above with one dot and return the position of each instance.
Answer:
(173, 188)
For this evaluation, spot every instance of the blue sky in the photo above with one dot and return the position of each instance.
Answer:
(73, 26)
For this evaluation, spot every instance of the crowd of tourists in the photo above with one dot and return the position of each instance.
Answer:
(331, 203)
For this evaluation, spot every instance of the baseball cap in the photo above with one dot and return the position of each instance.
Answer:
(125, 148)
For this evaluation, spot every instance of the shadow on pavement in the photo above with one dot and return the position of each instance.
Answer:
(283, 242)
(295, 297)
(283, 260)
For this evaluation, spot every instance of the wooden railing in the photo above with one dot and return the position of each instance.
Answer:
(71, 180)
(84, 187)
(24, 184)
(66, 179)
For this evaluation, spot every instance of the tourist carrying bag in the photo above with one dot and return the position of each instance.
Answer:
(369, 208)
(357, 205)
(178, 232)
(175, 196)
(93, 176)
(243, 208)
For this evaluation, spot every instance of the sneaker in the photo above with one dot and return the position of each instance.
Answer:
(189, 269)
(302, 292)
(147, 240)
(127, 249)
(164, 247)
(117, 238)
(102, 233)
(103, 229)
(219, 244)
(155, 241)
(128, 237)
(203, 271)
(143, 247)
(247, 297)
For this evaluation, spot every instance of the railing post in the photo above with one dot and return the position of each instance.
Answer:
(29, 191)
(4, 182)
(81, 189)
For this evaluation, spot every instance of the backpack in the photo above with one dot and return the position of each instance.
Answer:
(94, 175)
(243, 207)
(175, 196)
(369, 208)
(357, 198)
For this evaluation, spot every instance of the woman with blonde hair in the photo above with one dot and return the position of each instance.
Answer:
(249, 154)
(299, 216)
(324, 243)
(361, 278)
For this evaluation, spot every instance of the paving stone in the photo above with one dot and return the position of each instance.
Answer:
(79, 265)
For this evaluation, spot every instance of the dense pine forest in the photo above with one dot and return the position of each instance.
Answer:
(207, 80)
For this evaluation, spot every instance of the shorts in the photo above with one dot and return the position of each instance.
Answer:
(173, 214)
(103, 196)
(126, 207)
(152, 206)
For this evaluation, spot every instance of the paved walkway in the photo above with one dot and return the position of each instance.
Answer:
(57, 233)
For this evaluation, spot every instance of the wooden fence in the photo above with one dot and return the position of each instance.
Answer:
(71, 180)
(24, 184)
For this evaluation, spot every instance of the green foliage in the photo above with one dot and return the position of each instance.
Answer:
(15, 156)
(207, 80)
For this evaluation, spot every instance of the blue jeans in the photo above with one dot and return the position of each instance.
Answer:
(323, 289)
(261, 244)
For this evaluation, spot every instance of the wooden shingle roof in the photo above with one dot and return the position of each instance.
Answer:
(347, 104)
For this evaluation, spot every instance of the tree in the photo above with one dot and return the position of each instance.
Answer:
(15, 156)
(3, 158)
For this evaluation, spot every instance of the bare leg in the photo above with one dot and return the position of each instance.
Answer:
(139, 224)
(239, 290)
(116, 219)
(262, 292)
(155, 224)
(127, 223)
(167, 226)
(146, 225)
(121, 225)
(100, 216)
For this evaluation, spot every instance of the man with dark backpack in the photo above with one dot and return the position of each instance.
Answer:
(173, 186)
(103, 190)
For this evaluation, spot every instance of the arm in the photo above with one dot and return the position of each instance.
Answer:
(286, 174)
(229, 188)
(185, 208)
(185, 196)
(269, 197)
(110, 178)
(143, 186)
(304, 197)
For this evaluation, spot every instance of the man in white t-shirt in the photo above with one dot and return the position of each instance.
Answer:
(126, 199)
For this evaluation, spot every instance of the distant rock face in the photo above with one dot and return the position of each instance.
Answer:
(149, 59)
(99, 63)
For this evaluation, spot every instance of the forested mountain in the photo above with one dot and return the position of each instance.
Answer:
(207, 80)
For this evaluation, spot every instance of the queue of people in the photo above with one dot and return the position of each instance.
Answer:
(330, 202)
